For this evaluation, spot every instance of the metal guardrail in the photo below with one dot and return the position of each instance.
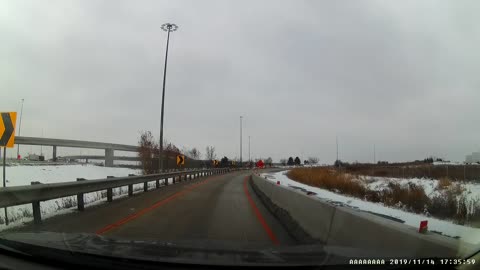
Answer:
(37, 192)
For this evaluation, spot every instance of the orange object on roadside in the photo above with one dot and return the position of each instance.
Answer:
(423, 226)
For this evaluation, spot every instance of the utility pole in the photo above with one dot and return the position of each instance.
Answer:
(249, 160)
(41, 146)
(336, 140)
(241, 117)
(167, 27)
(374, 158)
(19, 128)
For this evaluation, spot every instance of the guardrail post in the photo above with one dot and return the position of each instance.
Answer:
(130, 187)
(80, 201)
(145, 186)
(130, 190)
(157, 183)
(110, 192)
(37, 214)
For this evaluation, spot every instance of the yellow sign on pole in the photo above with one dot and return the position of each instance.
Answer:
(180, 160)
(215, 162)
(7, 129)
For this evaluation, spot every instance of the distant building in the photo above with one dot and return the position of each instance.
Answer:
(473, 158)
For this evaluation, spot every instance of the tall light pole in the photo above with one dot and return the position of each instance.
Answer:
(249, 160)
(336, 141)
(167, 27)
(19, 128)
(241, 117)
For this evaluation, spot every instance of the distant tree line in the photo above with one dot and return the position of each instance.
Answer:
(297, 161)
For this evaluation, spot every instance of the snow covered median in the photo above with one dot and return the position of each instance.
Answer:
(445, 227)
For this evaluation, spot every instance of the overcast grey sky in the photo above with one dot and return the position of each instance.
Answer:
(403, 75)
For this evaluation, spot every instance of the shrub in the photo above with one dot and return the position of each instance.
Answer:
(443, 183)
(373, 196)
(461, 215)
(329, 180)
(443, 206)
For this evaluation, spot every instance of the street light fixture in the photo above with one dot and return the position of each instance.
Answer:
(167, 27)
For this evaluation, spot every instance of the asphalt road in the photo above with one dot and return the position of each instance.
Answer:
(219, 208)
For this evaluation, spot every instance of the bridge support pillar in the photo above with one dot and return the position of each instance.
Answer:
(54, 155)
(109, 157)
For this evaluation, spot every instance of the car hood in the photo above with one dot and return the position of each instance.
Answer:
(73, 247)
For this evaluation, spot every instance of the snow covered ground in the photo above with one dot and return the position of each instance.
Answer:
(467, 234)
(471, 190)
(23, 175)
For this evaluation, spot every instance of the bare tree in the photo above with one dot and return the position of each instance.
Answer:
(170, 147)
(148, 148)
(194, 153)
(283, 161)
(312, 160)
(210, 153)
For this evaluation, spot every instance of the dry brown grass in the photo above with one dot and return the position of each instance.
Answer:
(329, 179)
(412, 197)
(449, 205)
(444, 183)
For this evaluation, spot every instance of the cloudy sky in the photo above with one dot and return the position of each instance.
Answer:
(402, 75)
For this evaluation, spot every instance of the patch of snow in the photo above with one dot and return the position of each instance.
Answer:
(471, 190)
(23, 175)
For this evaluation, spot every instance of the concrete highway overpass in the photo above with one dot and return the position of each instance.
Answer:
(108, 147)
(99, 157)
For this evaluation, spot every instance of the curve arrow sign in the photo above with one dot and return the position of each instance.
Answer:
(7, 129)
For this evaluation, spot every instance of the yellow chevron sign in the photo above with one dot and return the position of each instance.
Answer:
(180, 160)
(7, 129)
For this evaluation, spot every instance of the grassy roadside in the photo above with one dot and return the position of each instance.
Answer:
(451, 204)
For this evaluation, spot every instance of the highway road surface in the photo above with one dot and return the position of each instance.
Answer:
(218, 208)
